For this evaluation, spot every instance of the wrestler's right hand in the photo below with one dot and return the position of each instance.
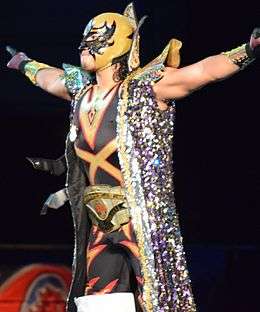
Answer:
(254, 44)
(18, 60)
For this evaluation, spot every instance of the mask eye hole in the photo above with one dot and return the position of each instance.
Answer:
(92, 37)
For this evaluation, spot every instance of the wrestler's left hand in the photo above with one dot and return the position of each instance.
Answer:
(254, 43)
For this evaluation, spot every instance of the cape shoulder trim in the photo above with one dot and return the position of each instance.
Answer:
(76, 78)
(170, 57)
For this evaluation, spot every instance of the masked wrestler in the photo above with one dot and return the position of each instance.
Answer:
(128, 247)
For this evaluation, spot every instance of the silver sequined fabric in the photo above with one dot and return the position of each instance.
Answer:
(145, 138)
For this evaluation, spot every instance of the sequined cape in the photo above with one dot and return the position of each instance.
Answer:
(145, 137)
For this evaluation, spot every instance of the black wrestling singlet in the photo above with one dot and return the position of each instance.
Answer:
(118, 250)
(96, 142)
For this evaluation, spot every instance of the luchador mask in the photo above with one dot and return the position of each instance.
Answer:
(108, 36)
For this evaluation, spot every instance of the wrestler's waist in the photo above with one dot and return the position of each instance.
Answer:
(107, 206)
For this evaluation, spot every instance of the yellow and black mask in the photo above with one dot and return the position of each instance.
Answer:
(107, 37)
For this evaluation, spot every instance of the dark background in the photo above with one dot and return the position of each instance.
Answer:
(216, 143)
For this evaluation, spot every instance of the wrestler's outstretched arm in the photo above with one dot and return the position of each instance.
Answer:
(48, 78)
(178, 83)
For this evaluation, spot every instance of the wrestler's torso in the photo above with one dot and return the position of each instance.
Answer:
(96, 140)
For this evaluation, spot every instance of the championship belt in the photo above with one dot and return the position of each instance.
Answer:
(106, 206)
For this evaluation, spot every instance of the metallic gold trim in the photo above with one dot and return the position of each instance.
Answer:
(239, 56)
(107, 207)
(107, 215)
(31, 69)
(105, 191)
(173, 57)
(170, 55)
